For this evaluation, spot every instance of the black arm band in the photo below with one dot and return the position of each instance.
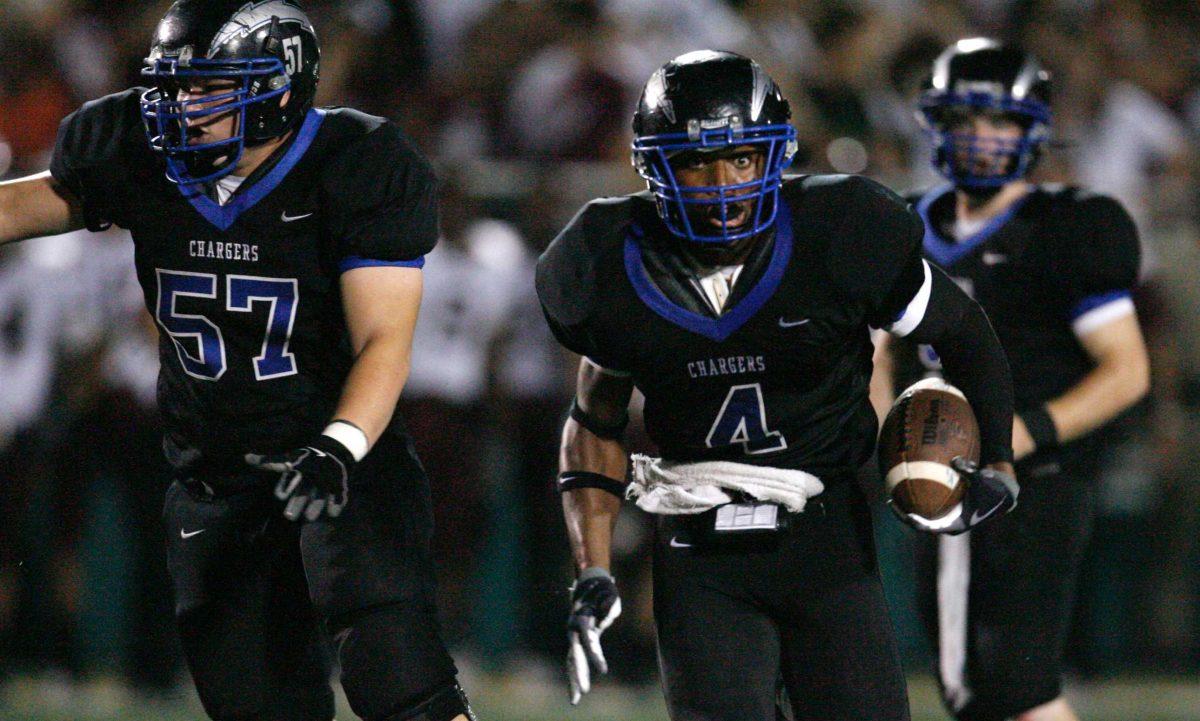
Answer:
(973, 360)
(1040, 426)
(608, 431)
(572, 480)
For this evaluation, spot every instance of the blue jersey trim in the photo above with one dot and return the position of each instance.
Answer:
(356, 262)
(1092, 302)
(224, 216)
(717, 329)
(945, 252)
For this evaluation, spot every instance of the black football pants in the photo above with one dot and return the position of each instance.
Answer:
(805, 605)
(252, 591)
(997, 601)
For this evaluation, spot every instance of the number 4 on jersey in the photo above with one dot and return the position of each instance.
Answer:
(743, 419)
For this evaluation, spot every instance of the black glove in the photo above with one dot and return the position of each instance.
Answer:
(594, 606)
(313, 479)
(990, 493)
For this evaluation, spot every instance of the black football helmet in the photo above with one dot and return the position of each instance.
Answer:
(267, 47)
(975, 74)
(704, 101)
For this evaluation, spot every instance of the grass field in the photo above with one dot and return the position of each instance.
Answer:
(518, 699)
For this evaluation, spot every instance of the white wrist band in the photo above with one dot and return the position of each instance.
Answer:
(349, 436)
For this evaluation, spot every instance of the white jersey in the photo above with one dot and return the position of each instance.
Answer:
(531, 365)
(28, 339)
(64, 295)
(467, 303)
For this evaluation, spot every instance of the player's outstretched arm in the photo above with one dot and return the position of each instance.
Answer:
(592, 463)
(37, 205)
(380, 303)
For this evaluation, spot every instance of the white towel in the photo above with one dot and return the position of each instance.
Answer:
(671, 488)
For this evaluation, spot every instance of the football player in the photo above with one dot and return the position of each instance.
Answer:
(279, 249)
(1053, 267)
(740, 302)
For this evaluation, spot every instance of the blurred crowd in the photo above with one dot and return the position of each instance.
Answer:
(524, 106)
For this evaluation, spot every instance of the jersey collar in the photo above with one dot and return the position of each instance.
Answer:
(720, 328)
(223, 216)
(948, 252)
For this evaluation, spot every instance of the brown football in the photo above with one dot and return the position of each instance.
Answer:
(929, 425)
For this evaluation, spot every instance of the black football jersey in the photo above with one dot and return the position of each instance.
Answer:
(1053, 265)
(254, 347)
(778, 378)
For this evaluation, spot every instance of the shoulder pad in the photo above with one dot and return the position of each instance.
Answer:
(345, 129)
(1072, 204)
(97, 130)
(366, 144)
(122, 102)
(100, 153)
(867, 234)
(566, 272)
(351, 122)
(912, 197)
(842, 201)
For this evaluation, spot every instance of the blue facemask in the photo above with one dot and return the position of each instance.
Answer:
(955, 155)
(651, 156)
(167, 120)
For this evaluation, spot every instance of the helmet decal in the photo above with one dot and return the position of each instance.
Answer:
(253, 16)
(762, 86)
(656, 93)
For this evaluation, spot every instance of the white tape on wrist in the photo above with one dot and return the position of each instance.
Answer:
(349, 436)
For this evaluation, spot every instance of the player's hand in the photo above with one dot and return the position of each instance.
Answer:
(313, 480)
(594, 606)
(991, 492)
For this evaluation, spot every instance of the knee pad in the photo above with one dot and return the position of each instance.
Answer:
(447, 703)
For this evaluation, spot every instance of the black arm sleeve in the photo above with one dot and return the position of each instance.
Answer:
(973, 360)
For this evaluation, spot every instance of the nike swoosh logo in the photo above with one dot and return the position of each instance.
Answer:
(289, 218)
(976, 516)
(792, 323)
(188, 534)
(676, 544)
